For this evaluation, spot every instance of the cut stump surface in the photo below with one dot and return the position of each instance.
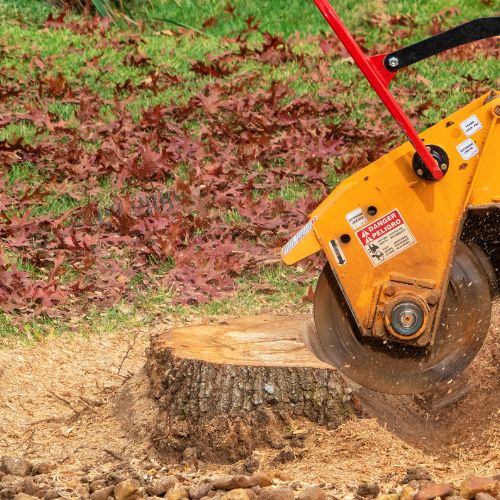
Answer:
(228, 388)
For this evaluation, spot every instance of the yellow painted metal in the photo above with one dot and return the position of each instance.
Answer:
(433, 211)
(308, 245)
(486, 190)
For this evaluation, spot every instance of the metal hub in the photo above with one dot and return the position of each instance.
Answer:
(407, 318)
(439, 155)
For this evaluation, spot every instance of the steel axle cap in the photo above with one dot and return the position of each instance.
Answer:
(407, 318)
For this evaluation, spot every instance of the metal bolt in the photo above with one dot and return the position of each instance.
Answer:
(444, 167)
(497, 110)
(393, 62)
(389, 290)
(433, 298)
(423, 340)
(378, 331)
(420, 172)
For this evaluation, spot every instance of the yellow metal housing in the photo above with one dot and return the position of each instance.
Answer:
(432, 211)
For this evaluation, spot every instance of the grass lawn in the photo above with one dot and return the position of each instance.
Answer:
(33, 54)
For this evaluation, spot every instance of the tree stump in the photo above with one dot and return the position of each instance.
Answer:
(226, 389)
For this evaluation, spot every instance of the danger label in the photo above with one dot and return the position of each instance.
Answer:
(386, 237)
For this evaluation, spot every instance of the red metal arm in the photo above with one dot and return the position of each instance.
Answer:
(379, 78)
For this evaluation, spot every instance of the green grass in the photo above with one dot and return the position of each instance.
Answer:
(69, 53)
(277, 16)
(15, 131)
(55, 204)
(23, 39)
(274, 288)
(290, 192)
(232, 216)
(291, 16)
(12, 259)
(25, 172)
(16, 11)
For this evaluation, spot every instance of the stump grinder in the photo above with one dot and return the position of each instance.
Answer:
(412, 240)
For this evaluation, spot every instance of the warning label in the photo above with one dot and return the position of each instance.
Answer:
(471, 125)
(386, 237)
(467, 149)
(356, 218)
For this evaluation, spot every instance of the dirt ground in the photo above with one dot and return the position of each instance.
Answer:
(62, 400)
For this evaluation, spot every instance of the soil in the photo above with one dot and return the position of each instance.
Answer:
(83, 404)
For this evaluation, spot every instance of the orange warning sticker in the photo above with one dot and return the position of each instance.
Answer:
(386, 237)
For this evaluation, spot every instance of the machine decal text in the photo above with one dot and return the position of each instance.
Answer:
(467, 149)
(356, 218)
(386, 237)
(471, 125)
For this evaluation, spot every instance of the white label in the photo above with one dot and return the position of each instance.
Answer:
(294, 241)
(337, 252)
(471, 125)
(356, 218)
(386, 237)
(467, 149)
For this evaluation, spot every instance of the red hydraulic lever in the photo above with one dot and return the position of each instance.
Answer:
(379, 77)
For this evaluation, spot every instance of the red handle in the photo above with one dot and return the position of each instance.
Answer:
(379, 78)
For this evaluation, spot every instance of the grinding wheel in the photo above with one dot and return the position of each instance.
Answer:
(396, 368)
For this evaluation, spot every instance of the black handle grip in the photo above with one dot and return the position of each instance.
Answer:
(478, 29)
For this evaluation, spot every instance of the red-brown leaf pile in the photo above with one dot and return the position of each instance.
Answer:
(194, 185)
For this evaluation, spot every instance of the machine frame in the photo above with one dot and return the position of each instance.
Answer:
(392, 231)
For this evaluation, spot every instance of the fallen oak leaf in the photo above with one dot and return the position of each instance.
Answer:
(309, 296)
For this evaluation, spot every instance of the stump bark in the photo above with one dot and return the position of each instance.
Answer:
(226, 389)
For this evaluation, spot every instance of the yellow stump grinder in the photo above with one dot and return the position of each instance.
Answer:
(412, 240)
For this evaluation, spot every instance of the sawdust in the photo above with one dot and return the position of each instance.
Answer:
(363, 450)
(58, 402)
(451, 441)
(462, 418)
(358, 451)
